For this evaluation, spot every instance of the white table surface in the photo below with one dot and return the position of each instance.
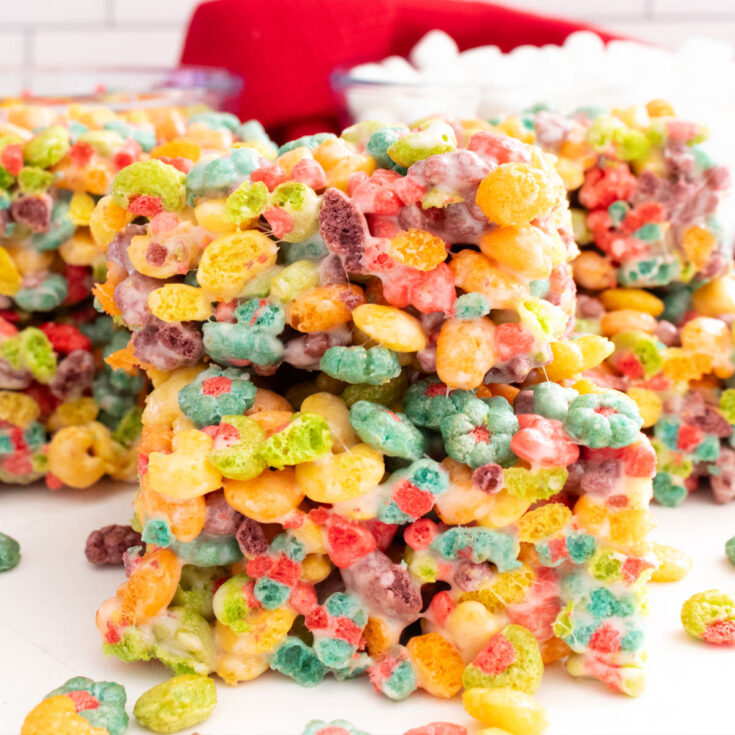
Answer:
(47, 635)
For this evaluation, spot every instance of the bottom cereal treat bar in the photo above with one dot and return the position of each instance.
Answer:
(521, 540)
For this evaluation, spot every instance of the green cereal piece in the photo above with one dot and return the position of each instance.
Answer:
(129, 427)
(471, 306)
(49, 294)
(109, 713)
(312, 248)
(260, 314)
(337, 726)
(37, 354)
(304, 439)
(239, 459)
(295, 659)
(436, 138)
(374, 365)
(196, 589)
(533, 485)
(184, 642)
(294, 279)
(227, 343)
(47, 148)
(428, 401)
(646, 349)
(702, 612)
(9, 553)
(312, 142)
(480, 432)
(32, 179)
(479, 544)
(60, 229)
(146, 137)
(219, 176)
(216, 120)
(252, 130)
(215, 393)
(151, 178)
(230, 604)
(730, 550)
(551, 400)
(180, 702)
(259, 286)
(386, 394)
(104, 142)
(207, 551)
(246, 202)
(391, 433)
(302, 203)
(381, 140)
(598, 420)
(523, 674)
(727, 405)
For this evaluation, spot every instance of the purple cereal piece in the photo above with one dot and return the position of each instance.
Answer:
(250, 538)
(427, 359)
(488, 477)
(74, 375)
(411, 217)
(344, 229)
(131, 297)
(33, 211)
(117, 250)
(551, 129)
(599, 478)
(667, 333)
(332, 271)
(13, 379)
(384, 586)
(168, 346)
(109, 545)
(469, 576)
(222, 519)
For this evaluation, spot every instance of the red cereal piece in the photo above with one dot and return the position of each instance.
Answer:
(145, 205)
(12, 158)
(66, 338)
(83, 700)
(497, 655)
(347, 542)
(420, 533)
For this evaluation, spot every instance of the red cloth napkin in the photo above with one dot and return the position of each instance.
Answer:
(286, 50)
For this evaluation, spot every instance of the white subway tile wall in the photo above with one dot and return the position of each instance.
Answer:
(151, 32)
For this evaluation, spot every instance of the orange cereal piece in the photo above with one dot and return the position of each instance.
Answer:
(268, 400)
(627, 320)
(418, 249)
(553, 649)
(151, 586)
(474, 272)
(698, 244)
(186, 517)
(527, 250)
(439, 667)
(594, 271)
(325, 307)
(377, 639)
(464, 352)
(177, 148)
(272, 420)
(155, 439)
(124, 359)
(58, 716)
(266, 498)
(104, 293)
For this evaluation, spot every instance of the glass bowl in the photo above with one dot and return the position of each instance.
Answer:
(122, 88)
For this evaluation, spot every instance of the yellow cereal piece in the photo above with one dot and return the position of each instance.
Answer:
(471, 625)
(632, 298)
(525, 249)
(577, 355)
(58, 715)
(627, 320)
(508, 588)
(474, 272)
(210, 214)
(542, 522)
(590, 513)
(685, 365)
(438, 665)
(649, 405)
(698, 244)
(503, 508)
(230, 261)
(162, 403)
(571, 172)
(186, 472)
(629, 527)
(81, 207)
(390, 327)
(516, 193)
(674, 564)
(80, 249)
(315, 568)
(660, 108)
(80, 455)
(715, 298)
(465, 352)
(106, 220)
(711, 337)
(418, 249)
(335, 412)
(18, 409)
(10, 279)
(336, 478)
(73, 412)
(177, 302)
(511, 710)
